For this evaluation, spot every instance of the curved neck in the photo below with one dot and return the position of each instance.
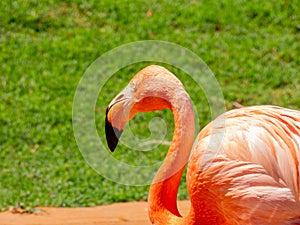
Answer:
(163, 191)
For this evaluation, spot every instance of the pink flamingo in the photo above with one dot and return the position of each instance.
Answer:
(246, 172)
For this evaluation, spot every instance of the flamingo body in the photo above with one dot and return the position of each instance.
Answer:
(253, 177)
(243, 167)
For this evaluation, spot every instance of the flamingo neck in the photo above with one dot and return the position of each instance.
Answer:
(163, 191)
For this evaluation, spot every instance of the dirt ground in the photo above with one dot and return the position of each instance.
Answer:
(132, 213)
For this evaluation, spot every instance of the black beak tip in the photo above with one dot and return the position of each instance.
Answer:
(112, 134)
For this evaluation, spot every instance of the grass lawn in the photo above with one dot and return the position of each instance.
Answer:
(253, 48)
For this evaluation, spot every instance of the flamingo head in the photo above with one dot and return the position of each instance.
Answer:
(148, 90)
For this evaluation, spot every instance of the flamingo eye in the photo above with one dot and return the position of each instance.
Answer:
(133, 85)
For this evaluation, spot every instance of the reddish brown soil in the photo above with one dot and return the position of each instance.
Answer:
(132, 213)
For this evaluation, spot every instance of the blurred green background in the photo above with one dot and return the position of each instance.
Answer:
(253, 48)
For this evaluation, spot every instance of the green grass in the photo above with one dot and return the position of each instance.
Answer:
(253, 47)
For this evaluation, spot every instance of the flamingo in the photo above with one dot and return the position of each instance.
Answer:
(243, 167)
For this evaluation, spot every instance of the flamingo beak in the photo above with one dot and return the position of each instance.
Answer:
(112, 133)
(116, 118)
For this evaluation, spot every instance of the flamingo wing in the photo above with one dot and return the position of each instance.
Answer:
(246, 165)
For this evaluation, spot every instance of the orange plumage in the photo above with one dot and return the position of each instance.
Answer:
(243, 167)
